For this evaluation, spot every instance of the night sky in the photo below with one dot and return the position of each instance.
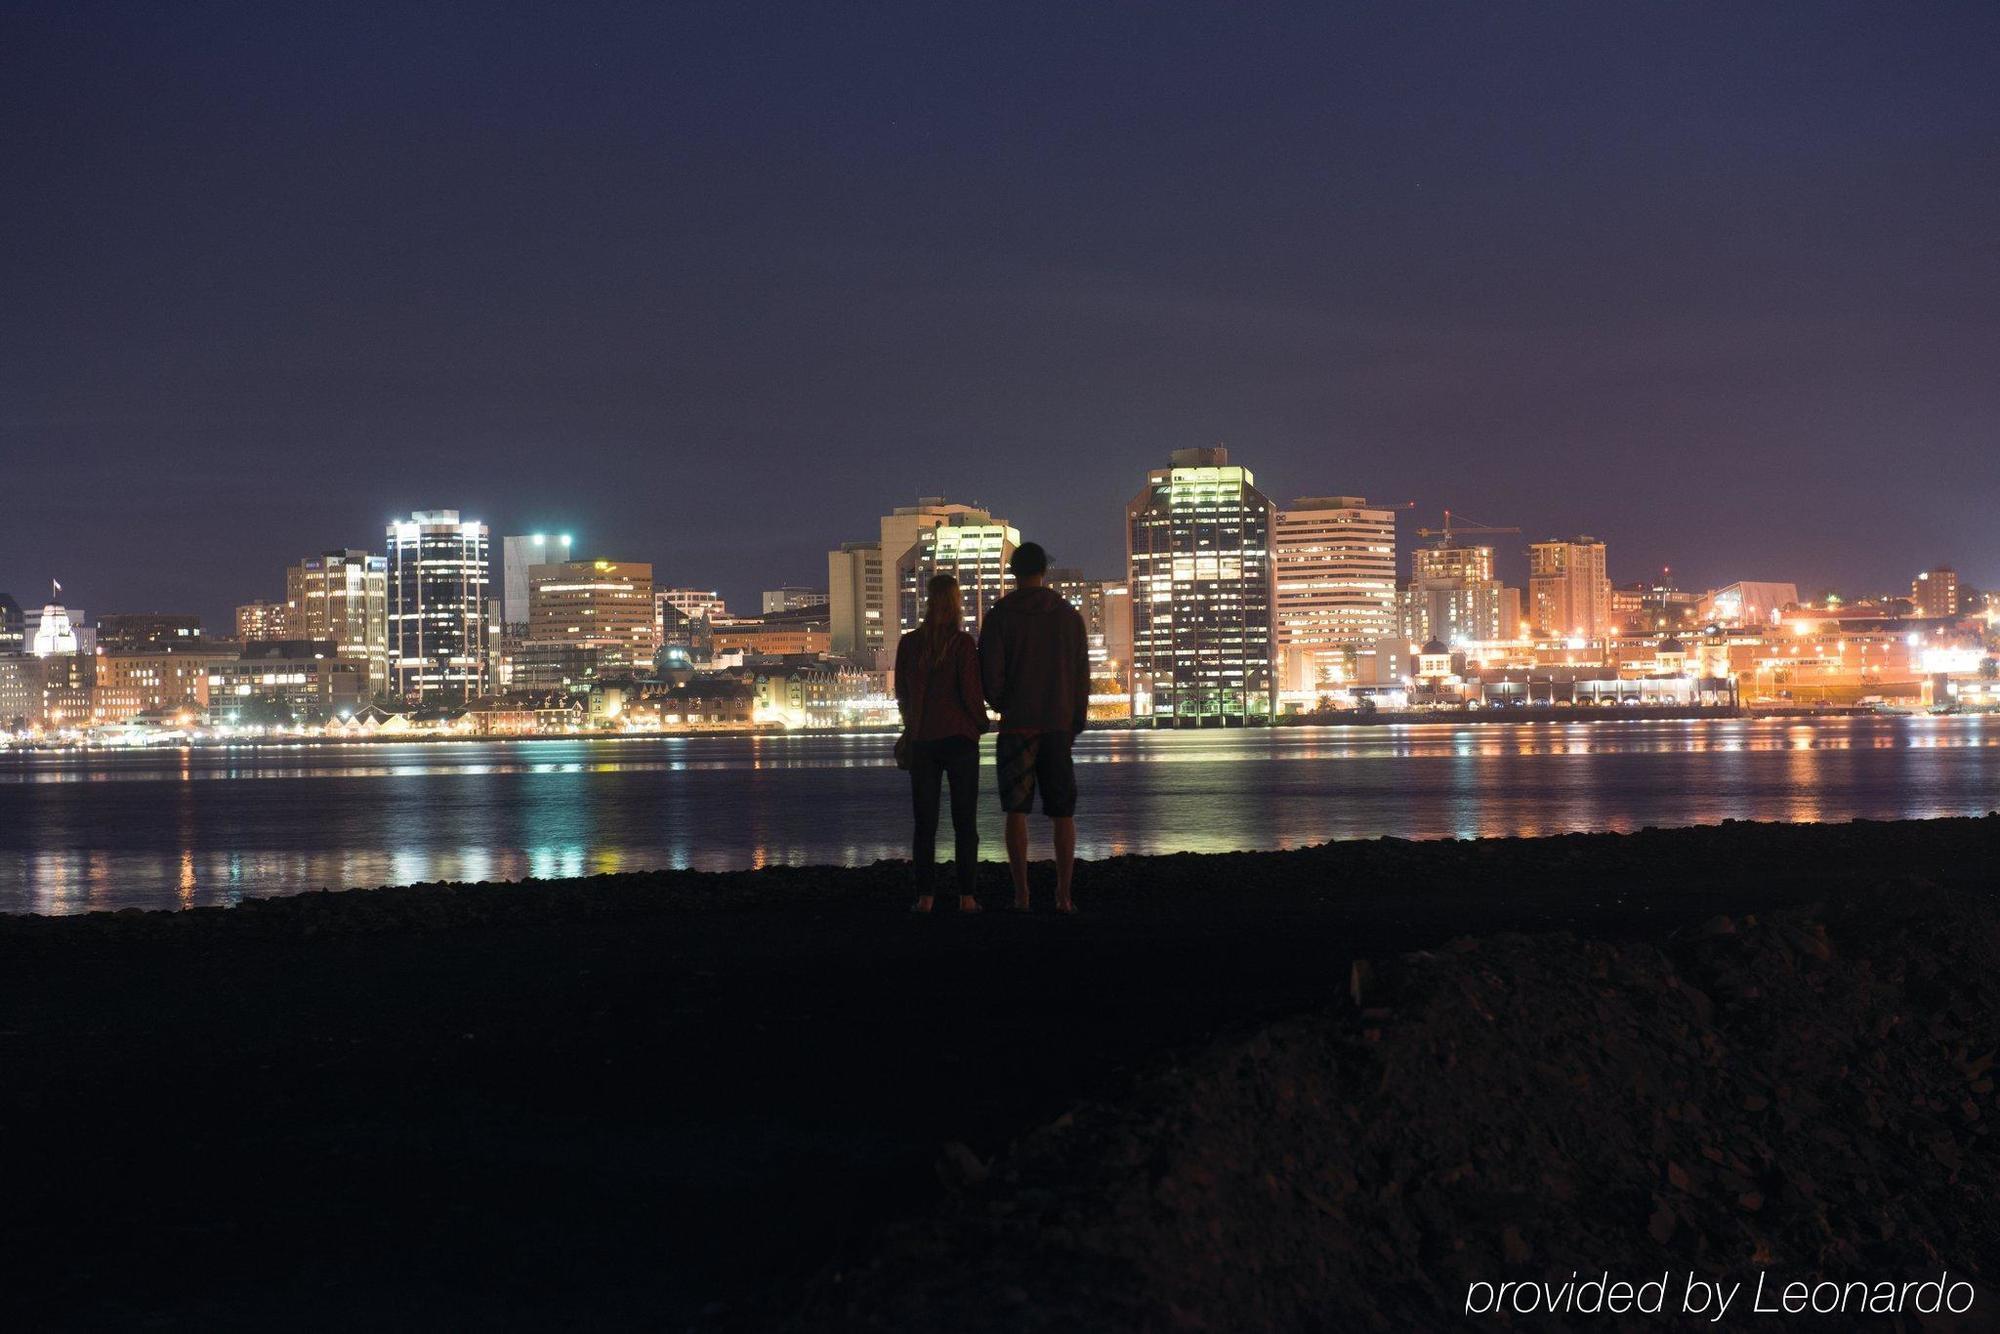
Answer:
(713, 285)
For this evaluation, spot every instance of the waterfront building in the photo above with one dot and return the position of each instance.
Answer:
(796, 691)
(1569, 594)
(342, 597)
(119, 630)
(283, 682)
(792, 597)
(1334, 571)
(539, 665)
(972, 548)
(1198, 563)
(604, 605)
(1746, 603)
(720, 700)
(162, 679)
(1934, 593)
(439, 632)
(261, 620)
(46, 691)
(525, 713)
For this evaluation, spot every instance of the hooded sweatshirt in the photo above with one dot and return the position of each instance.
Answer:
(1034, 663)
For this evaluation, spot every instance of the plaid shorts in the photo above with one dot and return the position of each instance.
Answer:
(1028, 760)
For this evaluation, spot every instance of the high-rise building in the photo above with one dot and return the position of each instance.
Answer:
(1198, 562)
(1454, 597)
(121, 630)
(517, 555)
(1087, 596)
(1569, 593)
(1934, 593)
(342, 597)
(604, 606)
(971, 548)
(1106, 608)
(438, 595)
(863, 597)
(1118, 636)
(793, 598)
(1334, 559)
(260, 620)
(854, 599)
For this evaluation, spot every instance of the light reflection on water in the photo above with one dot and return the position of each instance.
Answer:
(153, 829)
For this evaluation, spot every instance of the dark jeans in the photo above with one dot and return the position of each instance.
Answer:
(956, 758)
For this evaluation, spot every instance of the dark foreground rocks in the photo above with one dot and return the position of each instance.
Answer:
(777, 1100)
(1802, 1095)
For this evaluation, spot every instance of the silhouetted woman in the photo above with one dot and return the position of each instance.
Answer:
(937, 688)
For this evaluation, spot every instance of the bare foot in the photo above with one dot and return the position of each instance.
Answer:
(966, 903)
(1021, 903)
(923, 903)
(1065, 904)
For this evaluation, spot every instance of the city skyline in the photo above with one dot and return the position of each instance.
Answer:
(219, 609)
(1571, 270)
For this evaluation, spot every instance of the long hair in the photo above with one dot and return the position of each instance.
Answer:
(943, 610)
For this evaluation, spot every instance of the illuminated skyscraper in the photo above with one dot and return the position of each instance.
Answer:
(1455, 598)
(517, 554)
(863, 596)
(438, 595)
(1106, 609)
(1198, 561)
(854, 599)
(600, 605)
(1569, 593)
(1335, 569)
(342, 597)
(972, 549)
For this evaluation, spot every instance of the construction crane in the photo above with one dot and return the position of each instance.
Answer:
(1451, 530)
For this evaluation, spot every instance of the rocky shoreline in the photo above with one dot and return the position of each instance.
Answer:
(1801, 1100)
(1328, 1089)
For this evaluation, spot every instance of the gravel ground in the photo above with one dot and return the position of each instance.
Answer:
(775, 1099)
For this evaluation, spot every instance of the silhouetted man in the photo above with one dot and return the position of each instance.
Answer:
(1036, 672)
